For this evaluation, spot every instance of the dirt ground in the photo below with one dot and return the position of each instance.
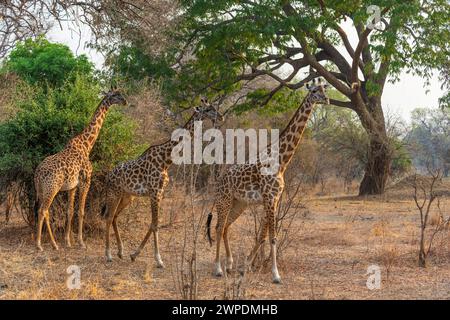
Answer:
(332, 244)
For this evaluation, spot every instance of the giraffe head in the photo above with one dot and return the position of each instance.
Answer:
(207, 111)
(114, 96)
(317, 92)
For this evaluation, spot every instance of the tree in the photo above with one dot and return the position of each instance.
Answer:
(20, 20)
(229, 42)
(48, 113)
(444, 101)
(44, 63)
(109, 20)
(429, 139)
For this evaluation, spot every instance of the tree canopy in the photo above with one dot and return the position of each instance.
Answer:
(226, 43)
(429, 139)
(240, 40)
(54, 99)
(42, 62)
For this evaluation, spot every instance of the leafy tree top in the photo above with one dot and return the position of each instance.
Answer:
(239, 40)
(44, 63)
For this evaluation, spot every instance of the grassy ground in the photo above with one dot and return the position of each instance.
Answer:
(332, 243)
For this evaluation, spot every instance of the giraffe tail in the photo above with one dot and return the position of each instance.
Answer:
(208, 228)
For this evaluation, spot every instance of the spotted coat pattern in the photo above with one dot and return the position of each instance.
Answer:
(146, 176)
(244, 184)
(68, 169)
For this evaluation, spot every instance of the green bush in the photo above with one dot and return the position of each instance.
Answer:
(44, 63)
(48, 116)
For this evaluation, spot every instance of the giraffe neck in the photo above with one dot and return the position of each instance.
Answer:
(167, 147)
(90, 133)
(292, 134)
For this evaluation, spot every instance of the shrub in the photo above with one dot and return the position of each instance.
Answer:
(40, 62)
(44, 123)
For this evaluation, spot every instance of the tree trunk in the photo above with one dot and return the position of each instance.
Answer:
(379, 153)
(422, 254)
(377, 168)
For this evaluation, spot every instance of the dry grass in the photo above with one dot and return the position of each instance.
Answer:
(328, 257)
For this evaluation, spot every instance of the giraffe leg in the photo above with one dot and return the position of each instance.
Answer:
(152, 229)
(43, 215)
(49, 229)
(68, 234)
(144, 241)
(236, 210)
(155, 218)
(223, 209)
(271, 209)
(219, 234)
(118, 238)
(111, 207)
(84, 189)
(40, 224)
(229, 265)
(124, 202)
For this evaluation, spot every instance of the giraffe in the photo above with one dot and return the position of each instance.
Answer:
(244, 184)
(68, 169)
(146, 176)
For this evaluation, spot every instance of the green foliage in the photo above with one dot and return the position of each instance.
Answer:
(43, 63)
(132, 63)
(232, 35)
(45, 122)
(339, 131)
(62, 95)
(402, 161)
(53, 101)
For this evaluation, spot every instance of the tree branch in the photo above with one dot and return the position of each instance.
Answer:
(343, 104)
(363, 43)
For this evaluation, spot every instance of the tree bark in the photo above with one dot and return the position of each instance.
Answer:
(422, 254)
(377, 168)
(379, 153)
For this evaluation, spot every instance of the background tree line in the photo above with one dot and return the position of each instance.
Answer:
(251, 57)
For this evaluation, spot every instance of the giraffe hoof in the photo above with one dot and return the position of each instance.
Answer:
(133, 257)
(56, 248)
(120, 255)
(276, 280)
(39, 248)
(229, 266)
(108, 259)
(160, 265)
(218, 273)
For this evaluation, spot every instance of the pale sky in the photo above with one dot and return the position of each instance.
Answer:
(398, 99)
